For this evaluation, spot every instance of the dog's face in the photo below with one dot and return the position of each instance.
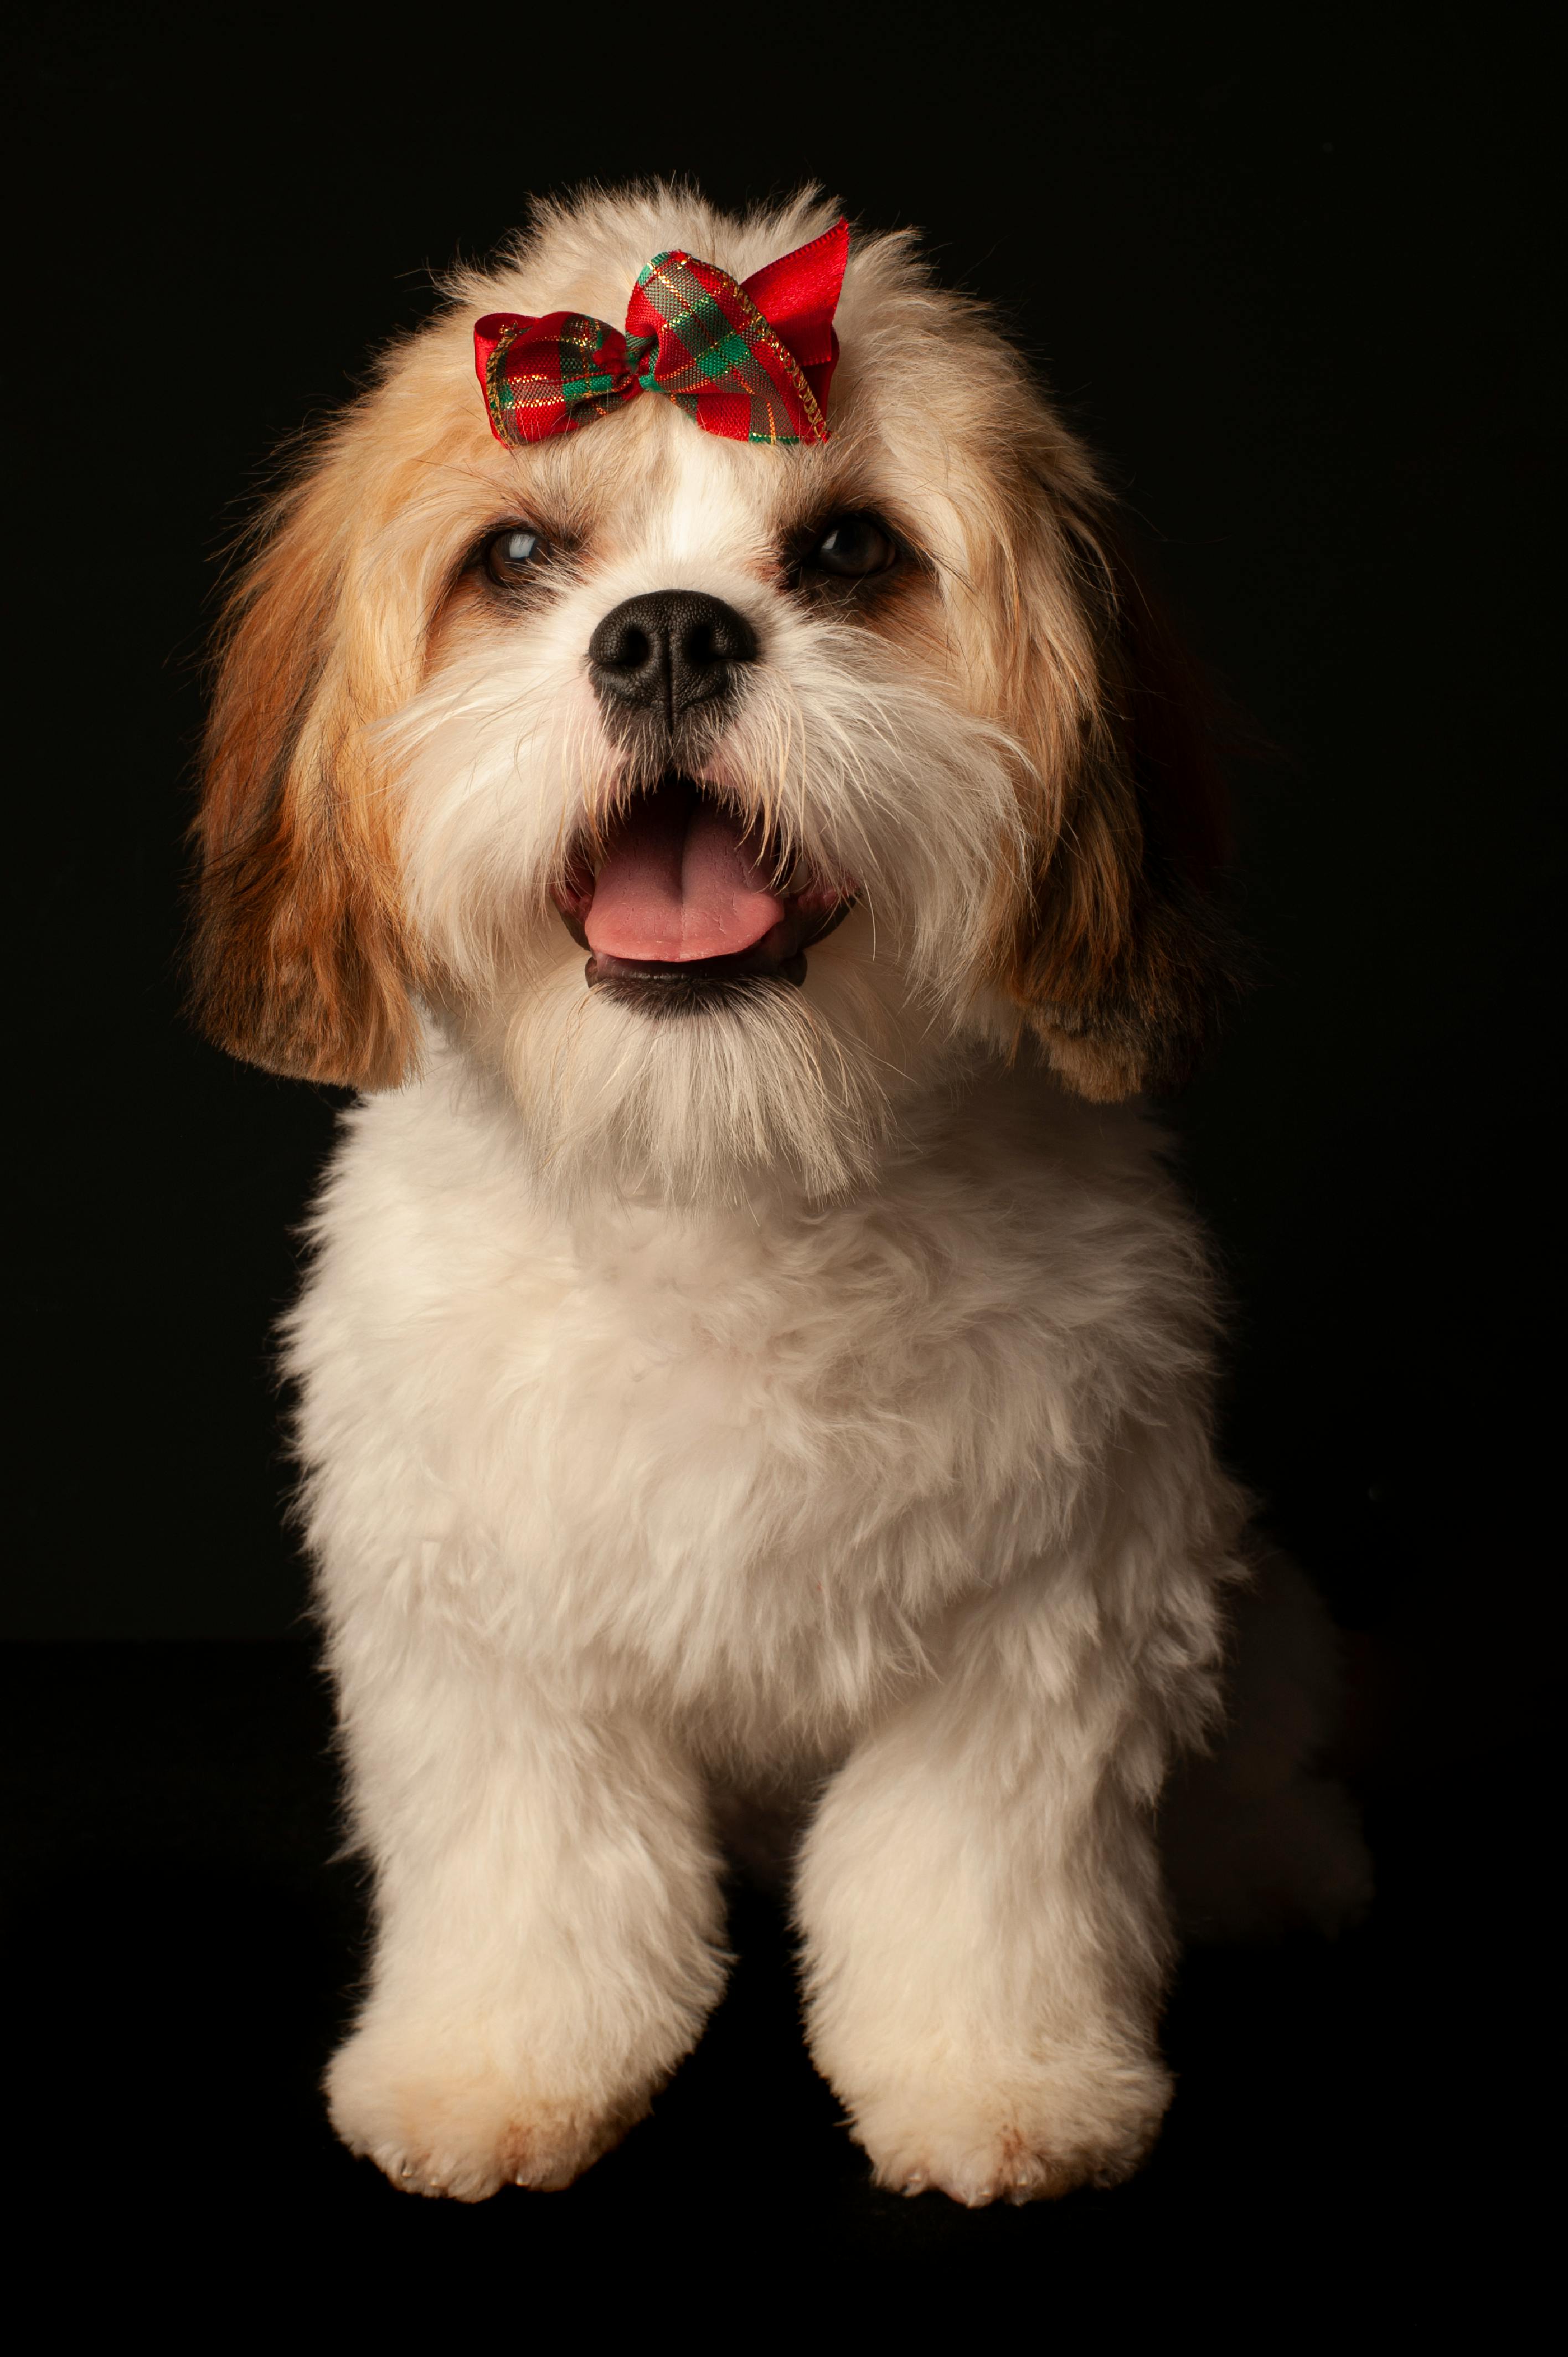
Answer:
(705, 792)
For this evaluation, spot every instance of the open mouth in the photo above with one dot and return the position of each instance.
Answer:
(686, 900)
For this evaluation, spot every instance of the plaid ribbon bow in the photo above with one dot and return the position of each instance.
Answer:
(751, 361)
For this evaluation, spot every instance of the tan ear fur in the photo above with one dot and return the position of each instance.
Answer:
(299, 959)
(1119, 959)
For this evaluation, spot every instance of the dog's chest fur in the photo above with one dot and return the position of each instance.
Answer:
(752, 1458)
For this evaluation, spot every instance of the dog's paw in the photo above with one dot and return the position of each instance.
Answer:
(439, 2124)
(1031, 2139)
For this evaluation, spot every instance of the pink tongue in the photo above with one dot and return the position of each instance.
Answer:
(680, 883)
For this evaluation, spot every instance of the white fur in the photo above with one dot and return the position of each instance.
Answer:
(801, 1402)
(908, 1497)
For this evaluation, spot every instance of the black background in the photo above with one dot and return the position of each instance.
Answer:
(1288, 275)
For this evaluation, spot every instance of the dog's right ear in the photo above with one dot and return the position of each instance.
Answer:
(300, 958)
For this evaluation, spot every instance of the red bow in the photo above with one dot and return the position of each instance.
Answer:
(752, 361)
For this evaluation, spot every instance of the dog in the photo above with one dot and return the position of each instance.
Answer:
(760, 1370)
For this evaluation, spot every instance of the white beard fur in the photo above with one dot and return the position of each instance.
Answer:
(897, 1511)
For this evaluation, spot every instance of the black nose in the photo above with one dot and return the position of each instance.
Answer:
(664, 652)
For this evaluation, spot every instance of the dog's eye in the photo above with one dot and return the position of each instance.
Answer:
(853, 547)
(510, 554)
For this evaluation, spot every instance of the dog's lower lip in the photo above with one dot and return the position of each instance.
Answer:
(692, 976)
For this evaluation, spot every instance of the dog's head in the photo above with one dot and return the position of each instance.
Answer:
(706, 792)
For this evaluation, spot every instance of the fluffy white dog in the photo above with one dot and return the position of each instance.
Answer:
(767, 1361)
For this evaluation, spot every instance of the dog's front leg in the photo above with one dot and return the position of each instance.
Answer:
(547, 1927)
(984, 1934)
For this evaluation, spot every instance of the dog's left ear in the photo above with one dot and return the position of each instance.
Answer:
(1118, 959)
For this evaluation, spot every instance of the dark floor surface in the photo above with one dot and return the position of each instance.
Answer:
(185, 1954)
